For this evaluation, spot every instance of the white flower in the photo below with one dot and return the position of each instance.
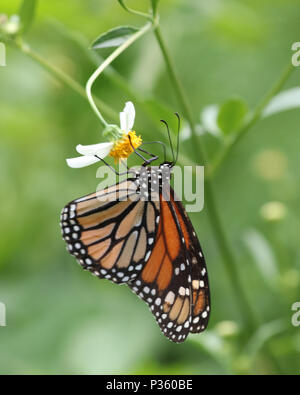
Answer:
(127, 117)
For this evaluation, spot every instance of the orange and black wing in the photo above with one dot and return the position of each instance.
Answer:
(200, 293)
(174, 281)
(111, 232)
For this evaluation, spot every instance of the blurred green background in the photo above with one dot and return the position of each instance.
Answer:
(60, 319)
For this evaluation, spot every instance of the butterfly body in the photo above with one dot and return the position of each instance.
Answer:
(137, 233)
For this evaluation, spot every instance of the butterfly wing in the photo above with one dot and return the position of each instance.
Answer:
(174, 281)
(111, 232)
(200, 294)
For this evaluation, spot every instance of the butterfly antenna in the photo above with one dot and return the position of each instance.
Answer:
(178, 131)
(170, 140)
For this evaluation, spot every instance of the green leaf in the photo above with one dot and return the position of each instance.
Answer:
(27, 13)
(232, 115)
(114, 37)
(283, 101)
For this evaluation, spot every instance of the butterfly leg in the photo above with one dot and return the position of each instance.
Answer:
(114, 170)
(125, 164)
(157, 142)
(153, 157)
(146, 161)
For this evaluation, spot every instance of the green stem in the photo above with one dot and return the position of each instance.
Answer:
(135, 12)
(93, 56)
(63, 77)
(106, 63)
(215, 220)
(78, 88)
(173, 75)
(110, 73)
(254, 118)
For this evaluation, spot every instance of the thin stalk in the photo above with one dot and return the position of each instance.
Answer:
(117, 79)
(215, 220)
(93, 56)
(135, 12)
(78, 88)
(106, 63)
(63, 77)
(253, 119)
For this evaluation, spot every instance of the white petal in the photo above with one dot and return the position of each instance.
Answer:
(127, 117)
(102, 149)
(130, 111)
(82, 161)
(123, 121)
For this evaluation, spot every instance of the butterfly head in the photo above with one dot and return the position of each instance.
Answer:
(166, 165)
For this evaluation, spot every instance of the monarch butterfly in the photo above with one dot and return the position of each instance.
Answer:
(137, 233)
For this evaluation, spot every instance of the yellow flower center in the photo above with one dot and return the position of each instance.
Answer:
(122, 147)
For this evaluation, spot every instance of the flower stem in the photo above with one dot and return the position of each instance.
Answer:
(254, 118)
(106, 63)
(63, 77)
(135, 12)
(215, 220)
